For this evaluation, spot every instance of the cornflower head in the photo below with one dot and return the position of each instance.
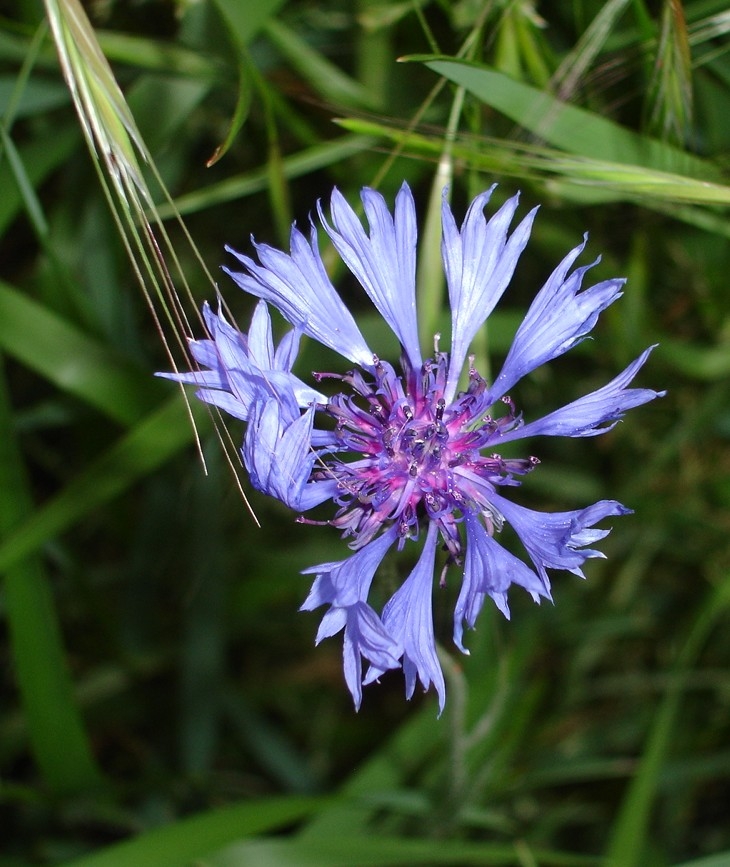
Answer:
(405, 454)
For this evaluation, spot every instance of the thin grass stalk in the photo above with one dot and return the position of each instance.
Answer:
(117, 147)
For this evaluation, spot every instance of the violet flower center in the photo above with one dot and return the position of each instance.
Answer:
(417, 457)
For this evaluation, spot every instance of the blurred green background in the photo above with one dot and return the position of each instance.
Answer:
(162, 700)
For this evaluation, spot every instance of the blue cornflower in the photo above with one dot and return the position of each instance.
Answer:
(406, 453)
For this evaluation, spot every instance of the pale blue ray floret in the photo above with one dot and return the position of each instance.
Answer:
(402, 452)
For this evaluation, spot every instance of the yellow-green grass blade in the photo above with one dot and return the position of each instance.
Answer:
(590, 179)
(117, 149)
(58, 738)
(116, 144)
(576, 130)
(517, 51)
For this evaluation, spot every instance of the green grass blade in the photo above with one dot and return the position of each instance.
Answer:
(156, 55)
(240, 113)
(582, 178)
(327, 79)
(148, 445)
(574, 129)
(578, 61)
(16, 99)
(188, 841)
(58, 738)
(25, 187)
(345, 850)
(722, 859)
(41, 157)
(627, 846)
(670, 101)
(311, 159)
(247, 17)
(73, 361)
(416, 739)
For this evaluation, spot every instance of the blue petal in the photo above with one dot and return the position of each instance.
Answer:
(408, 617)
(348, 581)
(383, 262)
(488, 570)
(365, 638)
(479, 261)
(260, 341)
(298, 286)
(595, 413)
(345, 585)
(559, 317)
(230, 344)
(224, 400)
(244, 368)
(555, 540)
(278, 455)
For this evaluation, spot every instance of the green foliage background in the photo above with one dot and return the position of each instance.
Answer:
(162, 701)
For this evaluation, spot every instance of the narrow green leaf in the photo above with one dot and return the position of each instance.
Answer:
(581, 178)
(156, 56)
(156, 439)
(628, 843)
(722, 859)
(37, 97)
(27, 191)
(700, 362)
(387, 769)
(73, 361)
(189, 840)
(670, 92)
(576, 63)
(163, 104)
(236, 187)
(574, 129)
(240, 113)
(327, 79)
(346, 850)
(57, 734)
(273, 750)
(41, 156)
(247, 17)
